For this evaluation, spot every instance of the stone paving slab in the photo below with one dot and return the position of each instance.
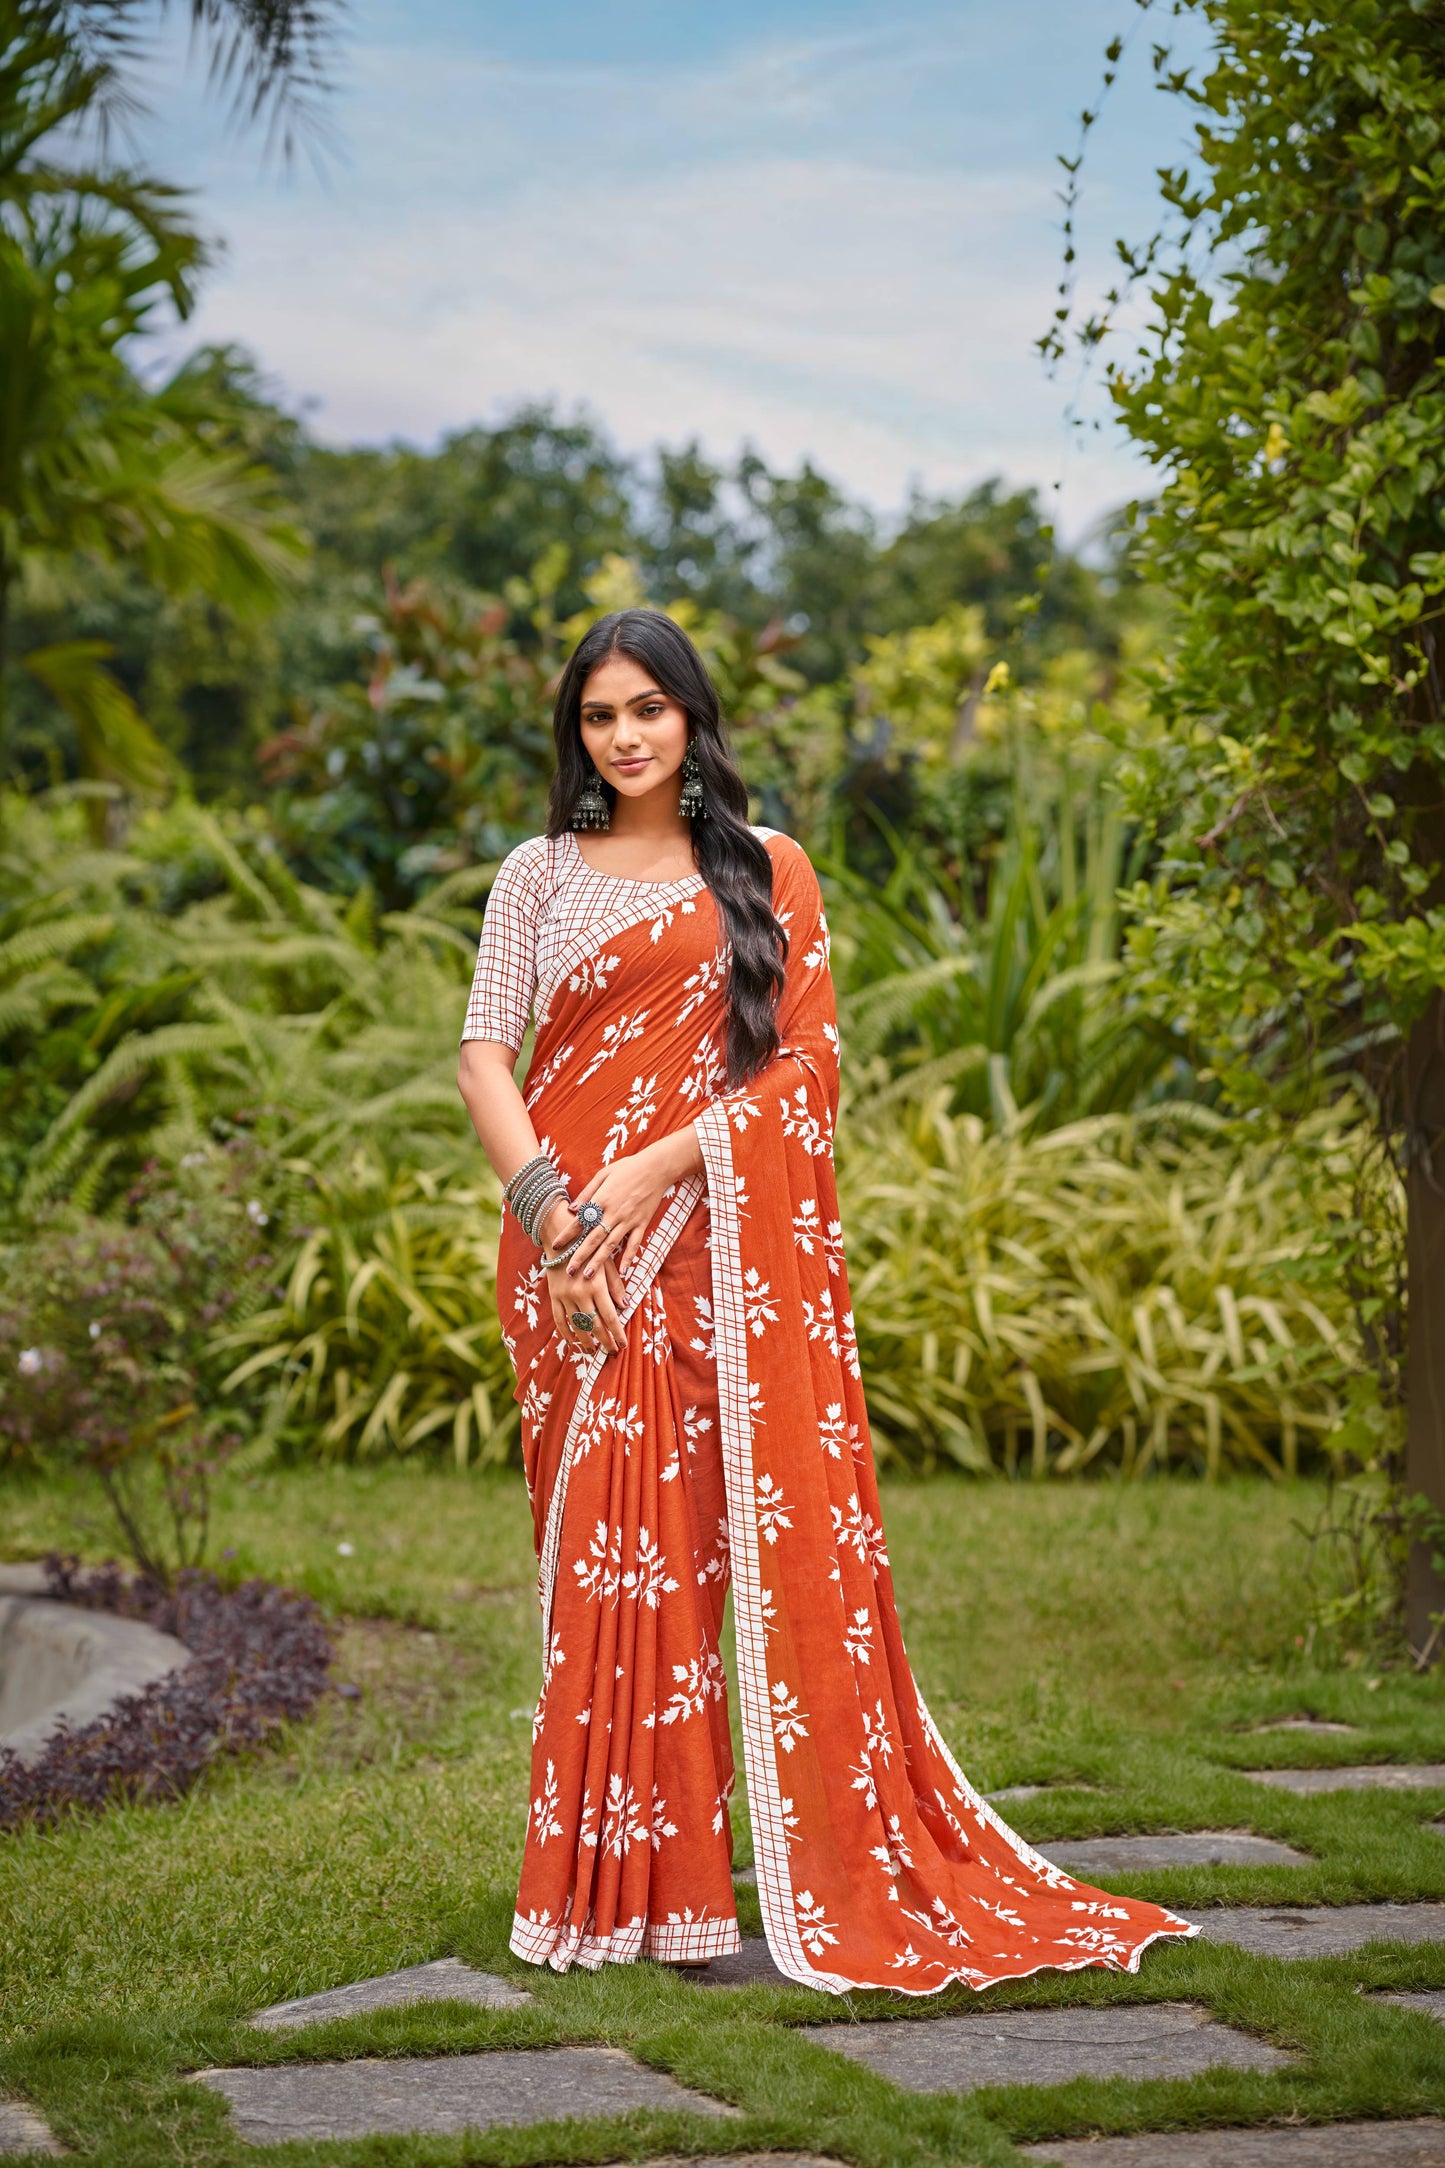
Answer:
(446, 1979)
(1318, 1930)
(1430, 2004)
(22, 2131)
(751, 1966)
(1367, 1777)
(1088, 1856)
(1047, 2047)
(1312, 2145)
(443, 2093)
(1315, 1724)
(1033, 1791)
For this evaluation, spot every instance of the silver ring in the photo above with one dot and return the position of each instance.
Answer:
(589, 1215)
(583, 1320)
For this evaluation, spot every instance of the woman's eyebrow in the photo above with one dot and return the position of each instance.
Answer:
(607, 707)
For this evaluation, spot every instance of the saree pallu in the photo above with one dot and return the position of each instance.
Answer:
(729, 1439)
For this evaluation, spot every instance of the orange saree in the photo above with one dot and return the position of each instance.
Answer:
(729, 1439)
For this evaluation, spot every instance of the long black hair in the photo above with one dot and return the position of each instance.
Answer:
(730, 858)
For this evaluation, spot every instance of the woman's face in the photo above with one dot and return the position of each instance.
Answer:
(635, 732)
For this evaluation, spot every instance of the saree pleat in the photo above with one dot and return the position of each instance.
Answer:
(729, 1438)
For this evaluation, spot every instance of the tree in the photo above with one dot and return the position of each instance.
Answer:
(1291, 389)
(94, 466)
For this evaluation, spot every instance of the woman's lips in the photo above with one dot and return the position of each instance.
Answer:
(630, 767)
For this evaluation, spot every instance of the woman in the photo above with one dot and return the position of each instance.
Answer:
(675, 1301)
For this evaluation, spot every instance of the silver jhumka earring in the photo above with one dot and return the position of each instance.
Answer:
(591, 810)
(691, 805)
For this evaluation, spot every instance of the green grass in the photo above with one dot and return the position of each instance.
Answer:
(1127, 1637)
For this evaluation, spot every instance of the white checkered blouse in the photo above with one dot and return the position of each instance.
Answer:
(544, 896)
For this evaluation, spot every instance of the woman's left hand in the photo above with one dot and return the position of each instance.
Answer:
(628, 1194)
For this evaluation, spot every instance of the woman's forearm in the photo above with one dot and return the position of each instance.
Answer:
(499, 1114)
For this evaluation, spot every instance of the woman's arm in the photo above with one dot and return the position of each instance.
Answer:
(504, 1128)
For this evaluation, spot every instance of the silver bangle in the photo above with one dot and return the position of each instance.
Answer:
(562, 1255)
(529, 1167)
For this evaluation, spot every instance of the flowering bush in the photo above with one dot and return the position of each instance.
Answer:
(105, 1333)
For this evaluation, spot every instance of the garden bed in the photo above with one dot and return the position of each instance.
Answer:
(259, 1658)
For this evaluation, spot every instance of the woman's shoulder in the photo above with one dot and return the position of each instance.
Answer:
(528, 869)
(790, 860)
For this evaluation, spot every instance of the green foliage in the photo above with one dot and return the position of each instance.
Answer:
(386, 1338)
(1290, 389)
(1104, 1295)
(1016, 1006)
(93, 465)
(107, 1355)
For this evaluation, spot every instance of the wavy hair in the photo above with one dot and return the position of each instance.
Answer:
(730, 858)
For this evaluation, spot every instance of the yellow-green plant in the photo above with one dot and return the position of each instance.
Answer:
(386, 1339)
(1093, 1296)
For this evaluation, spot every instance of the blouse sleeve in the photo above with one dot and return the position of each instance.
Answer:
(505, 980)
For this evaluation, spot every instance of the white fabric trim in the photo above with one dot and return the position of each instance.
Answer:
(770, 1837)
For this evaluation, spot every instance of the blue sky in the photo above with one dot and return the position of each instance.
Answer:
(830, 231)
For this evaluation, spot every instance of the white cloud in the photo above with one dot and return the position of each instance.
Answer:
(877, 320)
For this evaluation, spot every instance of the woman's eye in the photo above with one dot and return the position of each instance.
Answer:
(649, 714)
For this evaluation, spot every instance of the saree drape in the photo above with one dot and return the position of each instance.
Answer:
(730, 1438)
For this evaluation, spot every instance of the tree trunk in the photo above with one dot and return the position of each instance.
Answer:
(1425, 1350)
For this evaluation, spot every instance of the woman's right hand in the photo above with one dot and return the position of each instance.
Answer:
(604, 1291)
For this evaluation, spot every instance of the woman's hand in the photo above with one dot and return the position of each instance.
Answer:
(628, 1194)
(567, 1295)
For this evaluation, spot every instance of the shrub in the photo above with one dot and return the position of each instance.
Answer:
(105, 1347)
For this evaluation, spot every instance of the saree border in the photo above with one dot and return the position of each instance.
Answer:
(770, 1838)
(646, 1267)
(667, 895)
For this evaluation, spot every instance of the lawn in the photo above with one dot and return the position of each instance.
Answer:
(1122, 1636)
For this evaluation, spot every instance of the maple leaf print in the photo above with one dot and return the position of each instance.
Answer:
(602, 1576)
(788, 1819)
(592, 976)
(758, 1309)
(622, 1824)
(834, 1240)
(527, 1297)
(858, 1637)
(655, 1339)
(788, 1724)
(632, 1117)
(833, 1430)
(822, 947)
(614, 1038)
(709, 978)
(818, 1320)
(908, 1956)
(695, 1427)
(801, 1122)
(849, 1337)
(756, 1405)
(648, 1581)
(535, 1403)
(808, 1225)
(767, 1609)
(544, 1809)
(553, 1069)
(814, 1930)
(772, 1509)
(661, 1826)
(705, 1074)
(705, 1323)
(830, 1033)
(741, 1112)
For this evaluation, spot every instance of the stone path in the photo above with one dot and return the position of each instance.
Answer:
(1429, 2004)
(1328, 2145)
(445, 1980)
(1265, 1930)
(1173, 1848)
(1306, 1724)
(443, 2093)
(1366, 1777)
(23, 2132)
(1048, 2047)
(1318, 1930)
